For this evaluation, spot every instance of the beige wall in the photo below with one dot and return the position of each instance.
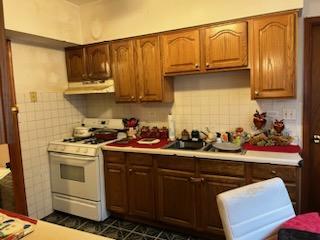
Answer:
(58, 19)
(4, 155)
(112, 19)
(38, 68)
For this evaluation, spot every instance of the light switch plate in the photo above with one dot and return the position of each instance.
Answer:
(33, 97)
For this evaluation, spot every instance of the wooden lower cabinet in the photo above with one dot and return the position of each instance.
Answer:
(181, 191)
(141, 191)
(211, 186)
(289, 174)
(176, 197)
(116, 187)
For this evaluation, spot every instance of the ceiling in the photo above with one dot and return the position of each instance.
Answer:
(80, 2)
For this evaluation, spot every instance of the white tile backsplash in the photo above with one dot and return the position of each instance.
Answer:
(52, 117)
(220, 101)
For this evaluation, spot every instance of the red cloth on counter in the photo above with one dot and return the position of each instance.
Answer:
(284, 149)
(134, 143)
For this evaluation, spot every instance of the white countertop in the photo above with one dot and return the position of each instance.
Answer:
(291, 159)
(48, 231)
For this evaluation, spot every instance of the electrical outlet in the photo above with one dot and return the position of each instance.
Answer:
(292, 114)
(289, 114)
(273, 114)
(33, 97)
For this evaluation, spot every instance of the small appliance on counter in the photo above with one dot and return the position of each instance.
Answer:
(195, 135)
(76, 169)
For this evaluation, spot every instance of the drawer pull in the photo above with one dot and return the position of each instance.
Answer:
(196, 180)
(273, 172)
(130, 170)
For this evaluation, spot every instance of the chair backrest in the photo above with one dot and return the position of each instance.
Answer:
(255, 211)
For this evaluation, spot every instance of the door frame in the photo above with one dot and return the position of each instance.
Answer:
(9, 133)
(309, 23)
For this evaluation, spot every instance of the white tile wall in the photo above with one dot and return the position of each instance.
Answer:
(220, 101)
(52, 117)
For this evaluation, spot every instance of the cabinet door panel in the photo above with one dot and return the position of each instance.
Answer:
(226, 46)
(181, 51)
(116, 187)
(210, 188)
(149, 69)
(274, 56)
(141, 192)
(76, 66)
(176, 198)
(98, 61)
(123, 71)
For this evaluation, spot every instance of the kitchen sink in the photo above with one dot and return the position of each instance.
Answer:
(187, 145)
(211, 148)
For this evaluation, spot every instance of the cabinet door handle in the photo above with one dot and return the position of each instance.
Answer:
(132, 97)
(256, 93)
(196, 65)
(196, 180)
(273, 172)
(140, 97)
(130, 170)
(207, 65)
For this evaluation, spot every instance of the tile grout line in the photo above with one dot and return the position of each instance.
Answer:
(132, 231)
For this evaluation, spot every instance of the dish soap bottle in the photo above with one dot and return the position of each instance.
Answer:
(172, 128)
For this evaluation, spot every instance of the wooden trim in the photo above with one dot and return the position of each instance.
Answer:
(14, 144)
(306, 179)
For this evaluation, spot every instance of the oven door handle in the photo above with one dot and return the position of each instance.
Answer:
(81, 158)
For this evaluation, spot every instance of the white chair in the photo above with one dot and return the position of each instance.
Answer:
(255, 211)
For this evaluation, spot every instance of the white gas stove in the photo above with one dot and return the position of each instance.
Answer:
(77, 175)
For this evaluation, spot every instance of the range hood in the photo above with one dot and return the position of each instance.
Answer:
(89, 87)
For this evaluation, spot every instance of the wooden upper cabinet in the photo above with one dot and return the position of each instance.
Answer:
(76, 66)
(181, 51)
(225, 46)
(149, 78)
(98, 61)
(123, 71)
(274, 56)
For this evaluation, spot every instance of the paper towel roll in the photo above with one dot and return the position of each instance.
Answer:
(172, 128)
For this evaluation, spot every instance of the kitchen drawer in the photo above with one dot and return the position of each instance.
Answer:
(291, 188)
(266, 171)
(222, 168)
(140, 159)
(114, 157)
(175, 163)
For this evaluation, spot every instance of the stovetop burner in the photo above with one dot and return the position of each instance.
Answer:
(72, 140)
(91, 140)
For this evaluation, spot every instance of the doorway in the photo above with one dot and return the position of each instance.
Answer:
(311, 119)
(9, 132)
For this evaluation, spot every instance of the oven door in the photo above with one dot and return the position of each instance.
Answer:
(74, 175)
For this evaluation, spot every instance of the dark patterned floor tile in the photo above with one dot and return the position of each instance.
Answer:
(55, 217)
(115, 233)
(124, 224)
(73, 222)
(109, 220)
(144, 229)
(172, 236)
(94, 227)
(136, 236)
